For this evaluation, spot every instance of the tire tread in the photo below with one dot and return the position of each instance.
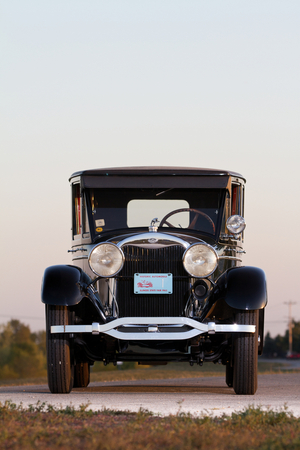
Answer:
(59, 367)
(246, 356)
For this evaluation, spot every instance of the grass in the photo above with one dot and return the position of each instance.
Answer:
(43, 426)
(46, 427)
(131, 371)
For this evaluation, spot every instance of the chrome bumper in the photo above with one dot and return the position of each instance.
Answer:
(150, 328)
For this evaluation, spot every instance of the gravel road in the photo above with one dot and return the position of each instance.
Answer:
(201, 395)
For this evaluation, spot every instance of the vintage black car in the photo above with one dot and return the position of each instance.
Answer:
(156, 276)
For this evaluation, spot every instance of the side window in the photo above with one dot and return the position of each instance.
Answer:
(84, 218)
(226, 213)
(236, 200)
(76, 210)
(234, 204)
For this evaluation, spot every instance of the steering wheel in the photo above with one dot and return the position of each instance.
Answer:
(192, 224)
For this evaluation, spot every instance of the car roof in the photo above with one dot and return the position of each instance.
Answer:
(156, 170)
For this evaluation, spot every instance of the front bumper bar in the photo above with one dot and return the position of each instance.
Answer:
(148, 328)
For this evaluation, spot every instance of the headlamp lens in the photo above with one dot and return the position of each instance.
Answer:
(200, 260)
(106, 260)
(236, 224)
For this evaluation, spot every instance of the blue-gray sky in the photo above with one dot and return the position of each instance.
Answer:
(93, 83)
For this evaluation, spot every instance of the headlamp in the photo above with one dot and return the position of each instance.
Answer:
(200, 260)
(106, 259)
(236, 224)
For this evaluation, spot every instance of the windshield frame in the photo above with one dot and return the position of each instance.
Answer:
(168, 194)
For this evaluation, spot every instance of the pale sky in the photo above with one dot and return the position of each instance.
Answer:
(91, 83)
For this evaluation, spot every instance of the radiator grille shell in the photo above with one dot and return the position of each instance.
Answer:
(148, 260)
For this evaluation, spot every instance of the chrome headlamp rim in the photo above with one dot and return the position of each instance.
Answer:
(120, 267)
(202, 244)
(231, 228)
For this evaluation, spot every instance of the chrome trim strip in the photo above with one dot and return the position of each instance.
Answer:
(153, 239)
(110, 328)
(233, 258)
(80, 249)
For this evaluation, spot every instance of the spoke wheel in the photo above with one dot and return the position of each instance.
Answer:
(245, 355)
(82, 374)
(59, 353)
(193, 223)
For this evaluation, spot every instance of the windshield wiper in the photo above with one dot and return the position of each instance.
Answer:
(163, 192)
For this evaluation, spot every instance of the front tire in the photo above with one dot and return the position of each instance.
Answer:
(245, 353)
(59, 353)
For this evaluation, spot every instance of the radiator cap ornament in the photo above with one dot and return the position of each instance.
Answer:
(152, 227)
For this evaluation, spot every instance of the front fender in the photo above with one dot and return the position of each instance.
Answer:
(244, 288)
(62, 285)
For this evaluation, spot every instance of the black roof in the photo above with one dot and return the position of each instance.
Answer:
(160, 171)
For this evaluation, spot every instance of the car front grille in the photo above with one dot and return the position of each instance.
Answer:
(145, 260)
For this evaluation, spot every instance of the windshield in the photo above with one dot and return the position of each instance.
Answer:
(194, 209)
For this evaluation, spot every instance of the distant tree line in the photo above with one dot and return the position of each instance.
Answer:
(278, 346)
(23, 353)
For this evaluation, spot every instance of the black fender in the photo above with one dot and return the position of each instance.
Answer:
(64, 285)
(243, 288)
